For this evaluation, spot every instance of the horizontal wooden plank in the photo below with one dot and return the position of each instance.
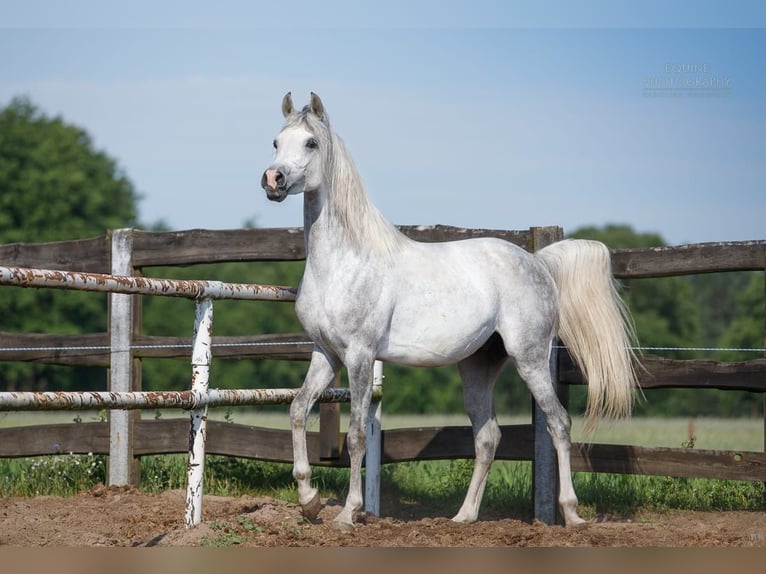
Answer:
(437, 443)
(77, 438)
(169, 436)
(92, 349)
(151, 248)
(676, 462)
(88, 255)
(227, 439)
(441, 443)
(438, 233)
(56, 349)
(659, 372)
(689, 259)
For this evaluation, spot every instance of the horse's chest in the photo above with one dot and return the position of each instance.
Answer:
(331, 312)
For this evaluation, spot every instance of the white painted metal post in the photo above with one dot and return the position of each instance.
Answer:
(201, 355)
(121, 361)
(374, 447)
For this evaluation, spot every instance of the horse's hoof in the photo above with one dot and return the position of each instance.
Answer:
(458, 519)
(577, 523)
(342, 526)
(311, 509)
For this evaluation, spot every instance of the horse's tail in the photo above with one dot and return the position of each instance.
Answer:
(595, 325)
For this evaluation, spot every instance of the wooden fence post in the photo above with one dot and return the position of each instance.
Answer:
(123, 467)
(544, 466)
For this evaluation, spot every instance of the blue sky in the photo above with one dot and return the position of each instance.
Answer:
(498, 116)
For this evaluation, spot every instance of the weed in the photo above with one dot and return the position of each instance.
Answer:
(246, 524)
(226, 537)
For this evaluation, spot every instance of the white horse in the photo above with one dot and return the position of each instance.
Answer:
(370, 293)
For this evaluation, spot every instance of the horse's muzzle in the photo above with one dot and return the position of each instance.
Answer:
(273, 182)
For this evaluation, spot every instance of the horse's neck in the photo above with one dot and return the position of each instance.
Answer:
(317, 226)
(333, 233)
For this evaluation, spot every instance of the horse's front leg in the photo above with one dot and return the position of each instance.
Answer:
(321, 373)
(360, 373)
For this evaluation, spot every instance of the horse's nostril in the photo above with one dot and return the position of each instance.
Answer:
(272, 179)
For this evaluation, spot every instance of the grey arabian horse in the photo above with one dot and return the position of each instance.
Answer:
(370, 293)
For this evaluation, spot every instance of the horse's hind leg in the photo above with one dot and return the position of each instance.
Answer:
(479, 372)
(321, 373)
(536, 373)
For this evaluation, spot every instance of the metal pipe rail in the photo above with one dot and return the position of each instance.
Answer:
(130, 285)
(189, 400)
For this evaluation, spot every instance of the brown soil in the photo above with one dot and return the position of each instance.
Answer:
(127, 517)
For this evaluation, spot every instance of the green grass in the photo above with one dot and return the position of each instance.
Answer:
(61, 474)
(436, 488)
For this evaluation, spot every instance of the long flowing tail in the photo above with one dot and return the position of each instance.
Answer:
(595, 325)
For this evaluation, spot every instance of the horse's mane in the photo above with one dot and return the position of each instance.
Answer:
(364, 225)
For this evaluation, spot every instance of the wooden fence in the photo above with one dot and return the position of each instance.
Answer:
(326, 447)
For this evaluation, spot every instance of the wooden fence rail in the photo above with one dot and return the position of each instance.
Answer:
(200, 246)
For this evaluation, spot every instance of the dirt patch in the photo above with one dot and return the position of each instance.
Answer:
(127, 517)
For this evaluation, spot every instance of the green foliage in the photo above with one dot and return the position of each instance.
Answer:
(55, 186)
(745, 328)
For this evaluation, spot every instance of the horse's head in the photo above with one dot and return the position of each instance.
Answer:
(300, 151)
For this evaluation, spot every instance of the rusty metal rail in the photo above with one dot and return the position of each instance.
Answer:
(130, 285)
(63, 401)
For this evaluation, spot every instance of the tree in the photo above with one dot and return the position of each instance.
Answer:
(53, 186)
(746, 330)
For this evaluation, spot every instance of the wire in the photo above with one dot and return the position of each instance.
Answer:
(683, 349)
(297, 343)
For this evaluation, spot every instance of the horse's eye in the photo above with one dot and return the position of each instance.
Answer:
(274, 143)
(312, 143)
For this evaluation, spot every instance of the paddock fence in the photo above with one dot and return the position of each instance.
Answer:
(128, 253)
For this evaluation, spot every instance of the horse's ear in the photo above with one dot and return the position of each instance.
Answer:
(287, 104)
(317, 107)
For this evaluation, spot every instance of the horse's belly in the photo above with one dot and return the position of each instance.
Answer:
(434, 344)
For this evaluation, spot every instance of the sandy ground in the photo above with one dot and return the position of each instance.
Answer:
(125, 517)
